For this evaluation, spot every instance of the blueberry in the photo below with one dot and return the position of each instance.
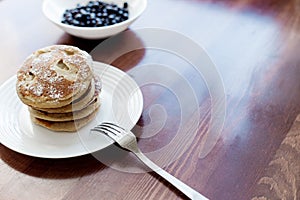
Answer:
(78, 16)
(88, 9)
(67, 14)
(118, 19)
(104, 14)
(93, 22)
(113, 21)
(125, 15)
(111, 16)
(83, 11)
(109, 7)
(93, 15)
(64, 21)
(75, 22)
(96, 4)
(90, 4)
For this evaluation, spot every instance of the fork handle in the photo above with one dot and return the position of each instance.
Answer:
(187, 190)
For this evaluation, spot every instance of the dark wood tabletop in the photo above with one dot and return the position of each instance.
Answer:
(242, 135)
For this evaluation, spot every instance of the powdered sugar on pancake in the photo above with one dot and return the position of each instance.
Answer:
(53, 73)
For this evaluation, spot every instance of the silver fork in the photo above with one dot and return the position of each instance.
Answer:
(127, 140)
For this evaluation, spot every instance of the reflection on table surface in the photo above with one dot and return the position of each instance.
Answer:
(253, 46)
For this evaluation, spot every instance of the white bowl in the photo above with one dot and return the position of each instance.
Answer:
(54, 9)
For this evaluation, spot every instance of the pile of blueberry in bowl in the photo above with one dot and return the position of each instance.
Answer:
(93, 19)
(96, 14)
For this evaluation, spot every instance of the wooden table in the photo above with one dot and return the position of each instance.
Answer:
(255, 48)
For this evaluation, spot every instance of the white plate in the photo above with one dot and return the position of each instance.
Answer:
(122, 102)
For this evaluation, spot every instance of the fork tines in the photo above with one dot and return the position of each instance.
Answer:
(112, 125)
(108, 128)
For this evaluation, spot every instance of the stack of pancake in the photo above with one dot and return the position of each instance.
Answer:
(59, 87)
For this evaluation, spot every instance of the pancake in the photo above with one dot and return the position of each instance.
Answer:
(59, 87)
(91, 94)
(67, 126)
(58, 117)
(54, 76)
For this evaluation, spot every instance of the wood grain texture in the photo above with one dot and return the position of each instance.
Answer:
(255, 47)
(281, 178)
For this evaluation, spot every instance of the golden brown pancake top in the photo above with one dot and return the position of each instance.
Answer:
(53, 73)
